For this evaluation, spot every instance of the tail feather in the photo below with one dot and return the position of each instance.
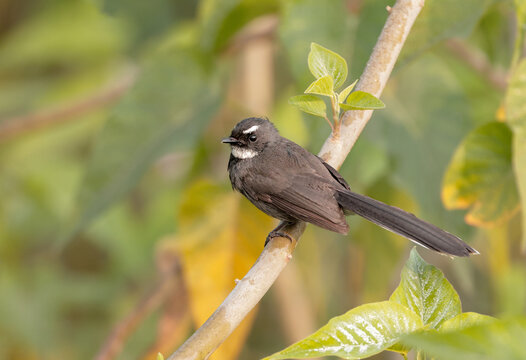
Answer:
(404, 223)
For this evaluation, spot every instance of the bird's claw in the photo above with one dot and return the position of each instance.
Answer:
(274, 234)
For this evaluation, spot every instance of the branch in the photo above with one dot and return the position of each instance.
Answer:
(479, 62)
(22, 124)
(249, 291)
(377, 71)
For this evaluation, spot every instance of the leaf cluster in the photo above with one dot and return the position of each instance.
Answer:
(423, 313)
(330, 71)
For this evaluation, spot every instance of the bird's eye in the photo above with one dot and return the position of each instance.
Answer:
(252, 138)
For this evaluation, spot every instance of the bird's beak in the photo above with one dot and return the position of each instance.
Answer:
(230, 140)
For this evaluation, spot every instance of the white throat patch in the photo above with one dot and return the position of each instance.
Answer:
(241, 153)
(251, 129)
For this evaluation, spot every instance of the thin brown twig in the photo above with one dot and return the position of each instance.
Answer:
(22, 124)
(479, 62)
(278, 252)
(171, 281)
(115, 342)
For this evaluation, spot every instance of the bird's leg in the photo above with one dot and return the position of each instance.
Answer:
(276, 232)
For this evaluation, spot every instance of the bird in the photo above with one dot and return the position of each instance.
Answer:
(289, 183)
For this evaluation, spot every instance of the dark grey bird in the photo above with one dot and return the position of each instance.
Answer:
(289, 183)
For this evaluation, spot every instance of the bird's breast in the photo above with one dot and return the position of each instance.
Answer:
(238, 171)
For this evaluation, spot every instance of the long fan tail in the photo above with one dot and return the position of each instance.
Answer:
(403, 223)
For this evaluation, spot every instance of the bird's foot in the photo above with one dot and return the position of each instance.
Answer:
(273, 234)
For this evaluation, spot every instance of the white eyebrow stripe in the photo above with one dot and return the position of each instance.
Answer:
(251, 129)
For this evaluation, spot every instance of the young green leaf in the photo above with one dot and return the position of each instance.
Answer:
(424, 289)
(322, 86)
(342, 96)
(160, 356)
(361, 100)
(480, 176)
(324, 62)
(489, 340)
(364, 331)
(309, 104)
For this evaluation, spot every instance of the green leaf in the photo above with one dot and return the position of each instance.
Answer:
(324, 62)
(480, 176)
(342, 96)
(363, 331)
(309, 104)
(424, 289)
(516, 117)
(498, 339)
(160, 356)
(361, 100)
(322, 86)
(464, 320)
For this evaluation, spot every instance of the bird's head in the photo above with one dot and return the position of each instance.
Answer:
(250, 137)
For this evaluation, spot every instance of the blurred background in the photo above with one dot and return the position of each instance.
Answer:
(119, 232)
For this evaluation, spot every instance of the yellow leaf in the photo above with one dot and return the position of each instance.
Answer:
(220, 236)
(480, 177)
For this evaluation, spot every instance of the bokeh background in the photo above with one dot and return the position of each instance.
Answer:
(119, 232)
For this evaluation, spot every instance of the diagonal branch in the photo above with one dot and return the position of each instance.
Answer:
(169, 293)
(22, 124)
(478, 62)
(278, 251)
(374, 78)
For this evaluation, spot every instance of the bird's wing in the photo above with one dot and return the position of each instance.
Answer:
(335, 174)
(310, 198)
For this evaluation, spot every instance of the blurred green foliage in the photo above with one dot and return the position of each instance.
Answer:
(111, 113)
